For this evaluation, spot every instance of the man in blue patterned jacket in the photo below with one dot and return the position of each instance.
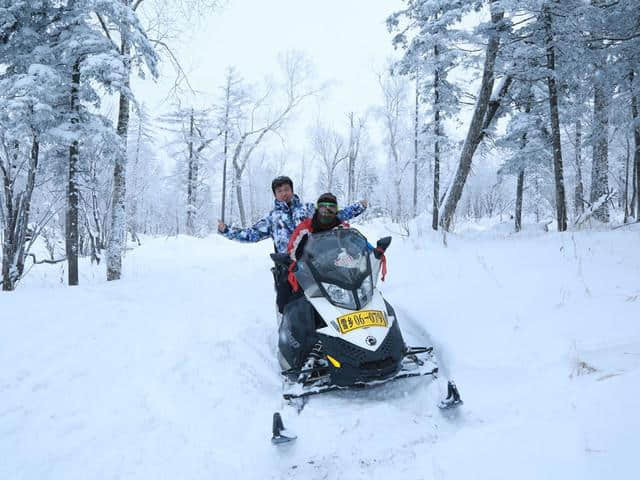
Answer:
(286, 215)
(288, 212)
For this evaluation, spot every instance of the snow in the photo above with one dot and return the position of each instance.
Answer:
(171, 372)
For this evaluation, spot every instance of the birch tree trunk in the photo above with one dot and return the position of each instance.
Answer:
(118, 205)
(15, 212)
(72, 187)
(238, 169)
(303, 171)
(600, 164)
(415, 150)
(636, 156)
(398, 189)
(134, 199)
(561, 205)
(632, 203)
(436, 143)
(98, 217)
(239, 199)
(192, 175)
(519, 198)
(578, 197)
(224, 175)
(354, 140)
(474, 135)
(626, 183)
(225, 146)
(232, 197)
(520, 183)
(397, 182)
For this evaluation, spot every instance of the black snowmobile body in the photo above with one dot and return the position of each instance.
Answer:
(298, 335)
(343, 321)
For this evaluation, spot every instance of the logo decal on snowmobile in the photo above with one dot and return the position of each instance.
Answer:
(371, 341)
(345, 260)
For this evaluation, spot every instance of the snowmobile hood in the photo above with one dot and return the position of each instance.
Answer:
(339, 257)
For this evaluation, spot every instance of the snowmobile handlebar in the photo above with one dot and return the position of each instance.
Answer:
(281, 259)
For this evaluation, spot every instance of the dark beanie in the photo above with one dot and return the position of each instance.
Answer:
(327, 198)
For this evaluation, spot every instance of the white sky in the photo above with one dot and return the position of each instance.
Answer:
(346, 41)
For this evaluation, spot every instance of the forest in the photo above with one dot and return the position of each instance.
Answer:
(523, 112)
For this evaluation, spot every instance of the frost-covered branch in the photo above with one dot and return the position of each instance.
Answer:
(594, 207)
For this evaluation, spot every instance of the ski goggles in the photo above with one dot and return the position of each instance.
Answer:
(326, 207)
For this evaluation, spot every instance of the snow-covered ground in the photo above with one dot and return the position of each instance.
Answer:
(171, 373)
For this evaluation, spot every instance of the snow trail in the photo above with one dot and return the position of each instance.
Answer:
(172, 371)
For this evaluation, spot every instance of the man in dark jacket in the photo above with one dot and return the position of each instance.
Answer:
(324, 218)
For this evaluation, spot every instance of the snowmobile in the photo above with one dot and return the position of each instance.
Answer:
(339, 332)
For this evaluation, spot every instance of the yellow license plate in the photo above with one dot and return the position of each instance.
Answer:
(365, 318)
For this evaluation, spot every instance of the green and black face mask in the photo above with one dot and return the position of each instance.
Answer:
(327, 213)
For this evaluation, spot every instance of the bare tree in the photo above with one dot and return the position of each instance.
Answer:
(328, 146)
(264, 117)
(228, 113)
(394, 115)
(355, 137)
(197, 143)
(302, 176)
(193, 130)
(142, 139)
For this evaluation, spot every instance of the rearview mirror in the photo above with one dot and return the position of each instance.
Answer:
(382, 246)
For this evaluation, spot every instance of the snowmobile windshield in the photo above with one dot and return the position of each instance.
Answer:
(336, 264)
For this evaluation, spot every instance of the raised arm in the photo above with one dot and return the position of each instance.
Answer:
(258, 231)
(352, 211)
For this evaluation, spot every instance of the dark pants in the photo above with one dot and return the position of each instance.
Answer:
(284, 292)
(297, 333)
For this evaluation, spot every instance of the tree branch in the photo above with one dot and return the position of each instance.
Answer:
(175, 62)
(103, 24)
(51, 262)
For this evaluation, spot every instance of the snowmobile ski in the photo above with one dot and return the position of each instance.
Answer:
(453, 399)
(280, 434)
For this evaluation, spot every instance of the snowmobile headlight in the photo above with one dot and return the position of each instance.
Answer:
(365, 292)
(339, 296)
